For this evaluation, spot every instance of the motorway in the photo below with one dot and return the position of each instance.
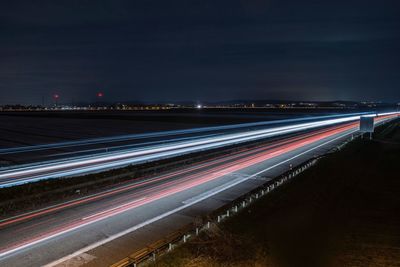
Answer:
(60, 232)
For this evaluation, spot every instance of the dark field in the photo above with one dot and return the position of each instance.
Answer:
(342, 212)
(29, 128)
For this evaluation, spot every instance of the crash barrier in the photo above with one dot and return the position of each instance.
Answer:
(158, 248)
(166, 244)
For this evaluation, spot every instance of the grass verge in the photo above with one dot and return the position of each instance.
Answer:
(342, 212)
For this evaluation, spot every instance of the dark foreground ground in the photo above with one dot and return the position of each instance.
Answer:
(343, 212)
(44, 127)
(31, 128)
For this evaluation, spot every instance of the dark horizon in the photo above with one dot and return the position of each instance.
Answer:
(50, 102)
(200, 51)
(239, 103)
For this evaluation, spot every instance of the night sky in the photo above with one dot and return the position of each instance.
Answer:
(199, 50)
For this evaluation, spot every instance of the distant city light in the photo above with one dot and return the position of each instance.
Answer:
(56, 96)
(199, 106)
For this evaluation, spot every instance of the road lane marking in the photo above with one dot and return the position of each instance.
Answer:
(109, 210)
(166, 214)
(75, 227)
(216, 189)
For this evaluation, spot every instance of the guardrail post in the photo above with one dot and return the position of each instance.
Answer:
(260, 193)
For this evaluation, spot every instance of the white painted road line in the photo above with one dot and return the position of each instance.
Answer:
(166, 214)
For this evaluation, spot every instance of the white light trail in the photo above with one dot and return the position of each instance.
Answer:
(96, 163)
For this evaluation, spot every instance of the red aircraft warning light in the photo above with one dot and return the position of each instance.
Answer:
(100, 94)
(56, 97)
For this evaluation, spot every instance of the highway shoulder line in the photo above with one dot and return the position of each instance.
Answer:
(168, 213)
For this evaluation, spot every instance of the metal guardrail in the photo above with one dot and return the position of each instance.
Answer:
(184, 234)
(167, 243)
(150, 251)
